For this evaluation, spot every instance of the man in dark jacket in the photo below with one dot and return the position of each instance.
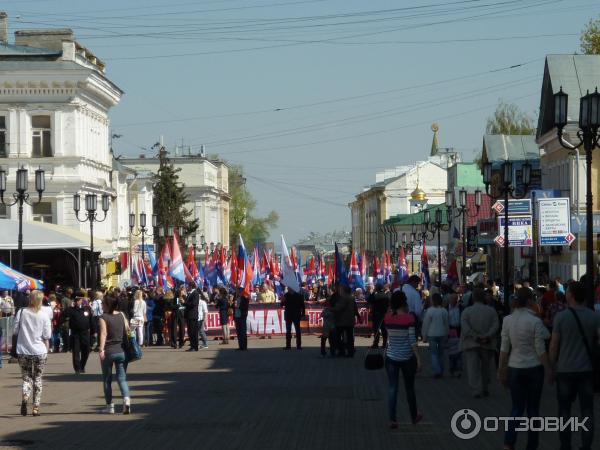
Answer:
(81, 324)
(240, 315)
(158, 316)
(191, 314)
(344, 310)
(379, 302)
(293, 304)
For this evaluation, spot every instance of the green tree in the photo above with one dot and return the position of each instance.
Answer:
(590, 38)
(242, 217)
(170, 199)
(509, 119)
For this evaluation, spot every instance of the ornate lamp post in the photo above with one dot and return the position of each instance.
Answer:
(437, 226)
(588, 136)
(91, 205)
(143, 230)
(464, 211)
(507, 189)
(20, 197)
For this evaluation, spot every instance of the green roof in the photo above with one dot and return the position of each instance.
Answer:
(416, 218)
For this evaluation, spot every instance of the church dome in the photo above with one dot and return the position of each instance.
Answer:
(418, 194)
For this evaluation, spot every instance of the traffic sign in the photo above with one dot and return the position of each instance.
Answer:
(515, 207)
(520, 231)
(555, 222)
(499, 241)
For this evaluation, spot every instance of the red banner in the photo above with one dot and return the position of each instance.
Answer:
(268, 319)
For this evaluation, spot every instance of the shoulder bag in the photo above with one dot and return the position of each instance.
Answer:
(131, 348)
(593, 353)
(374, 359)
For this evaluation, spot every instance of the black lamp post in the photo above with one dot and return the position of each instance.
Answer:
(464, 211)
(20, 197)
(588, 136)
(507, 189)
(437, 226)
(194, 242)
(91, 205)
(143, 230)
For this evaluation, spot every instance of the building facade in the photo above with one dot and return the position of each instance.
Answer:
(400, 191)
(54, 114)
(206, 184)
(565, 170)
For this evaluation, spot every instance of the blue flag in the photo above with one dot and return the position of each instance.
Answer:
(341, 275)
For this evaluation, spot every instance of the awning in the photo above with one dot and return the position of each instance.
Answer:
(47, 236)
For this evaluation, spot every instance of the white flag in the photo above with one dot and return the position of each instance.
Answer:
(288, 274)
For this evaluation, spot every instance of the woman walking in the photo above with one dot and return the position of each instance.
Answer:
(113, 329)
(138, 318)
(401, 355)
(435, 331)
(222, 301)
(33, 330)
(521, 366)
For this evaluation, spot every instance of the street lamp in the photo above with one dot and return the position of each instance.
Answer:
(20, 197)
(507, 189)
(436, 226)
(143, 230)
(589, 122)
(194, 242)
(464, 211)
(91, 205)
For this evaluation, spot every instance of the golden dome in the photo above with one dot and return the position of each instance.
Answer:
(418, 194)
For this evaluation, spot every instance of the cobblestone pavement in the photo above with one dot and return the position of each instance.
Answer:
(265, 398)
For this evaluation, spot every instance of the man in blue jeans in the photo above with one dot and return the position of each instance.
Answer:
(574, 332)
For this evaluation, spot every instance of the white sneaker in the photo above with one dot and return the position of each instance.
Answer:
(109, 409)
(126, 405)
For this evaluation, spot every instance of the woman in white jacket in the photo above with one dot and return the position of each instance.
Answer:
(138, 317)
(435, 330)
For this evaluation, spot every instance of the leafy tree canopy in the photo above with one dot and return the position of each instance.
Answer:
(590, 37)
(509, 119)
(242, 216)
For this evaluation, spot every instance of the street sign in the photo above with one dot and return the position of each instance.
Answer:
(555, 222)
(515, 207)
(147, 247)
(520, 231)
(499, 241)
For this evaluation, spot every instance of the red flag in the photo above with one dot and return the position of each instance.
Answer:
(376, 270)
(330, 274)
(124, 260)
(312, 267)
(190, 264)
(234, 270)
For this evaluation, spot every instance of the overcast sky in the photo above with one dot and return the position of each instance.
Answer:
(314, 96)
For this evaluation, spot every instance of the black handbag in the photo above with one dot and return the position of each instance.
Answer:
(374, 359)
(593, 353)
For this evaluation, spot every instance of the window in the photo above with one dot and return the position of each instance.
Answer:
(42, 212)
(41, 132)
(4, 210)
(3, 150)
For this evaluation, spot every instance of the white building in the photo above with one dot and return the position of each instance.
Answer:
(54, 105)
(206, 184)
(403, 190)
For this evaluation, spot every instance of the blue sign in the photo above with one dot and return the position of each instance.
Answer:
(520, 231)
(515, 207)
(554, 221)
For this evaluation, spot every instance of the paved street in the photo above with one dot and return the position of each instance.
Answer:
(262, 399)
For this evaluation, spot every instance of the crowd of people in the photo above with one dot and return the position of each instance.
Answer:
(546, 332)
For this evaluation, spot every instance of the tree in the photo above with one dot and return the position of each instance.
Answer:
(509, 119)
(242, 218)
(170, 199)
(590, 38)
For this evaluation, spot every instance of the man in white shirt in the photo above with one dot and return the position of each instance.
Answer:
(7, 305)
(413, 297)
(96, 314)
(202, 315)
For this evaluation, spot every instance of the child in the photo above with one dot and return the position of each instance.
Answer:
(454, 353)
(328, 330)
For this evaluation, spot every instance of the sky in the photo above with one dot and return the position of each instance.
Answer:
(313, 97)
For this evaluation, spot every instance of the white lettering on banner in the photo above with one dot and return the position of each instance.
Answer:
(491, 423)
(256, 322)
(273, 322)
